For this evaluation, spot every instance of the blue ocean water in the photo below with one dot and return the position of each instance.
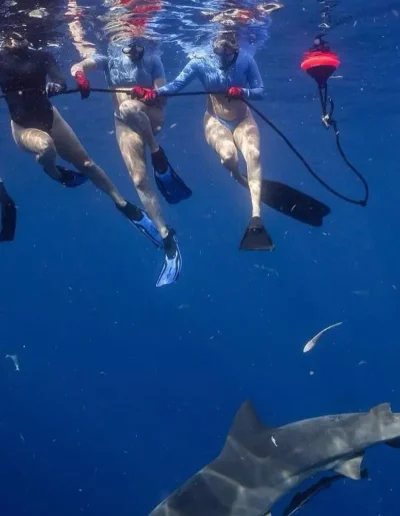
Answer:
(125, 390)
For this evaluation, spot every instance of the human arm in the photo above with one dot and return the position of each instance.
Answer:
(57, 82)
(79, 70)
(255, 82)
(181, 81)
(88, 64)
(53, 71)
(159, 79)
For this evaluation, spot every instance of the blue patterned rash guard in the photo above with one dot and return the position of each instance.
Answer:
(122, 71)
(244, 73)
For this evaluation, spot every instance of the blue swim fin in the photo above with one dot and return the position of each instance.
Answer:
(172, 265)
(171, 186)
(142, 222)
(71, 178)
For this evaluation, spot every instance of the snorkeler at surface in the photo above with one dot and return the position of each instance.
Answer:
(137, 120)
(233, 16)
(229, 124)
(37, 126)
(249, 20)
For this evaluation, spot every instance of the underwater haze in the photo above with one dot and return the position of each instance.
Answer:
(125, 390)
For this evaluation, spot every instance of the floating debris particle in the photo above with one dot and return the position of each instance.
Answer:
(38, 13)
(311, 343)
(14, 358)
(183, 306)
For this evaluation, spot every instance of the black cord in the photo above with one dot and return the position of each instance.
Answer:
(326, 119)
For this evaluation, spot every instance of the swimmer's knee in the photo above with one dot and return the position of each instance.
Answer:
(85, 165)
(229, 156)
(253, 153)
(141, 183)
(45, 150)
(129, 108)
(45, 146)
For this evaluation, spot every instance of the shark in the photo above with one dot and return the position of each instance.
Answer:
(259, 464)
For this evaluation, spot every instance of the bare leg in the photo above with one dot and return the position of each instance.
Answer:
(39, 143)
(138, 117)
(221, 140)
(247, 139)
(70, 149)
(132, 150)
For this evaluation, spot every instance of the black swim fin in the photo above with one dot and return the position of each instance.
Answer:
(71, 178)
(8, 221)
(292, 202)
(171, 186)
(255, 237)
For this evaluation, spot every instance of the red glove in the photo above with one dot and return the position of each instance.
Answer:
(83, 84)
(146, 94)
(235, 93)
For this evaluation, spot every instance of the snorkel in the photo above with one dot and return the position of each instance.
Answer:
(226, 48)
(134, 50)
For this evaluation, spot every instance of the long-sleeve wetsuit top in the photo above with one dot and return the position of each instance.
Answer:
(27, 69)
(244, 73)
(122, 71)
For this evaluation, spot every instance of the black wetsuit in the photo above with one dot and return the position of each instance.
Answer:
(27, 68)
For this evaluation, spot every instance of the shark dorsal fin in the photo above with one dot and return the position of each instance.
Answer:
(246, 423)
(383, 408)
(351, 468)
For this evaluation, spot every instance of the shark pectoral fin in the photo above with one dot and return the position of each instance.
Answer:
(351, 468)
(393, 443)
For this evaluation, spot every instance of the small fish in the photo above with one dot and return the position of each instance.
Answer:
(14, 358)
(311, 343)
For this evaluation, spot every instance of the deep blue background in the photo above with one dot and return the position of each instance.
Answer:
(126, 390)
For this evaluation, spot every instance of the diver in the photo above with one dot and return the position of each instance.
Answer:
(230, 75)
(137, 120)
(37, 126)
